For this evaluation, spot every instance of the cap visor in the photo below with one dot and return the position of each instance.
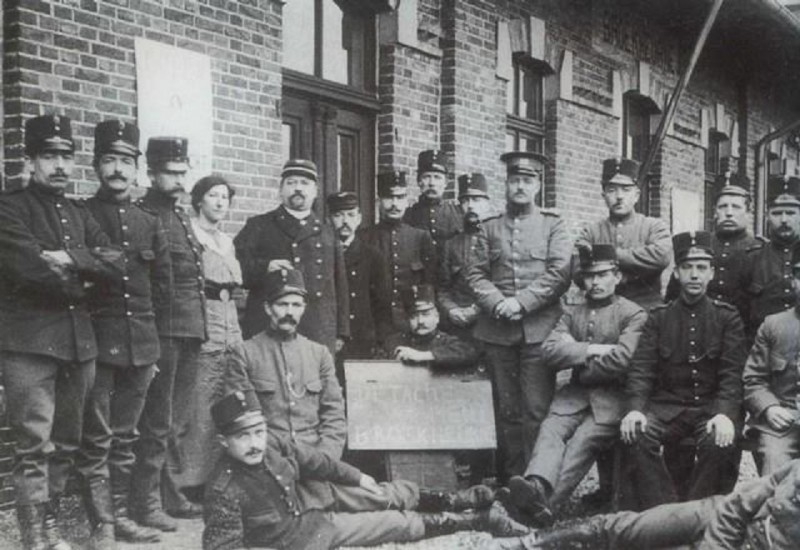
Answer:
(621, 179)
(598, 267)
(285, 291)
(246, 420)
(474, 193)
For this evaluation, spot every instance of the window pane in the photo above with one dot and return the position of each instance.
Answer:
(335, 58)
(637, 131)
(712, 157)
(511, 93)
(347, 162)
(511, 141)
(298, 35)
(531, 97)
(289, 140)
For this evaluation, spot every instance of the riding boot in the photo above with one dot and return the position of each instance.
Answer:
(125, 528)
(493, 520)
(100, 513)
(475, 497)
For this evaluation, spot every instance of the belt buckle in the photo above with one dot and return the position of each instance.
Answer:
(224, 294)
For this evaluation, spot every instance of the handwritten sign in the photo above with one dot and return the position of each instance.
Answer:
(391, 406)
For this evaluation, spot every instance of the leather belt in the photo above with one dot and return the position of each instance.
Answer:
(222, 294)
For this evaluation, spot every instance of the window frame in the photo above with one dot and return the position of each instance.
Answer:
(518, 126)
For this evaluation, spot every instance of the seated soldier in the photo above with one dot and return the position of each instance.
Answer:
(253, 498)
(771, 382)
(425, 343)
(761, 514)
(596, 340)
(685, 381)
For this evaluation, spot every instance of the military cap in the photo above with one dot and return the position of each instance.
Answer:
(524, 163)
(692, 245)
(116, 136)
(783, 191)
(48, 133)
(300, 167)
(472, 185)
(418, 298)
(343, 200)
(431, 160)
(237, 411)
(163, 149)
(281, 282)
(390, 182)
(597, 258)
(731, 184)
(620, 171)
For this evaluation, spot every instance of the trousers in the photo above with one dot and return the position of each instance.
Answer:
(524, 387)
(46, 398)
(374, 528)
(774, 451)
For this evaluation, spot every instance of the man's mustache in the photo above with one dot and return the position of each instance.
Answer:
(288, 319)
(59, 174)
(255, 451)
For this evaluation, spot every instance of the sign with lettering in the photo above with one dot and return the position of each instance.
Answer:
(392, 406)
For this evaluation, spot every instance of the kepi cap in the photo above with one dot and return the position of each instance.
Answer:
(524, 162)
(731, 184)
(418, 298)
(281, 282)
(472, 185)
(620, 171)
(597, 258)
(692, 245)
(237, 411)
(783, 191)
(163, 149)
(116, 136)
(431, 160)
(343, 200)
(48, 133)
(391, 183)
(300, 167)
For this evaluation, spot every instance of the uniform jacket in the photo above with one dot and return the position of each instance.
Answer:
(370, 298)
(183, 314)
(411, 257)
(597, 383)
(296, 385)
(762, 514)
(730, 263)
(689, 355)
(767, 281)
(526, 256)
(448, 351)
(442, 219)
(644, 250)
(39, 311)
(122, 310)
(771, 373)
(314, 250)
(261, 506)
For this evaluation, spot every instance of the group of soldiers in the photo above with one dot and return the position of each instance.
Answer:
(104, 309)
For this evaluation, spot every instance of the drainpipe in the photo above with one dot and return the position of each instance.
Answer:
(760, 175)
(680, 87)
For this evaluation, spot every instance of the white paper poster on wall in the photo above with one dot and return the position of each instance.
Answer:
(175, 99)
(687, 208)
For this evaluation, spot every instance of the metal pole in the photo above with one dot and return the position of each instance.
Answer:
(666, 120)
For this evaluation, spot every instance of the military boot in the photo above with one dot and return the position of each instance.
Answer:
(589, 533)
(531, 497)
(31, 518)
(493, 520)
(125, 528)
(100, 513)
(52, 532)
(476, 497)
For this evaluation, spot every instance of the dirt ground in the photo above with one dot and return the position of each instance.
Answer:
(188, 537)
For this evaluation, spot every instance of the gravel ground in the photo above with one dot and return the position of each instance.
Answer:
(189, 534)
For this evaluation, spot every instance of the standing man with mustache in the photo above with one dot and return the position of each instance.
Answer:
(50, 248)
(439, 217)
(293, 237)
(767, 276)
(685, 380)
(127, 339)
(642, 243)
(408, 250)
(518, 280)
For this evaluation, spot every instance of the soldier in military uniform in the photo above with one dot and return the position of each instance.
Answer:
(127, 339)
(730, 242)
(408, 250)
(772, 383)
(685, 381)
(518, 283)
(457, 306)
(767, 274)
(255, 497)
(439, 217)
(596, 340)
(367, 278)
(761, 514)
(180, 321)
(642, 243)
(293, 237)
(425, 343)
(50, 247)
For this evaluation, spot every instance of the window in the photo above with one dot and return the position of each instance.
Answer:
(716, 161)
(636, 113)
(525, 107)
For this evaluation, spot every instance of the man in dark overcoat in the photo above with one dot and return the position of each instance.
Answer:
(50, 248)
(293, 237)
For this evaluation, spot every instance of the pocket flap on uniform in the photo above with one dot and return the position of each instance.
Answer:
(261, 385)
(314, 386)
(417, 266)
(147, 254)
(263, 519)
